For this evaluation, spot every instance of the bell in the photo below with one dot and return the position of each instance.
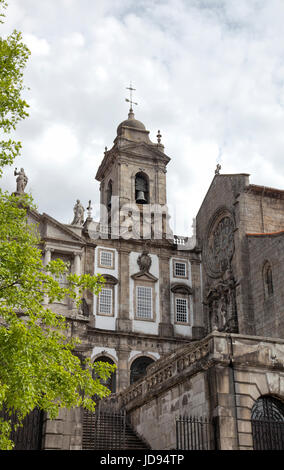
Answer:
(140, 197)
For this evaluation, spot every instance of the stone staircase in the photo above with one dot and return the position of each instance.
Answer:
(109, 430)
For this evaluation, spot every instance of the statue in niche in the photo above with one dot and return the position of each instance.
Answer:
(222, 312)
(78, 214)
(221, 302)
(21, 181)
(144, 261)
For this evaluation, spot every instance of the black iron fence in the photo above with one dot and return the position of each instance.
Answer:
(104, 429)
(267, 435)
(29, 435)
(194, 433)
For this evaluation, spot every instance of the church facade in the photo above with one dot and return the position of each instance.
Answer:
(195, 325)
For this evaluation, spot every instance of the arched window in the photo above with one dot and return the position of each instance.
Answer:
(141, 188)
(267, 418)
(138, 368)
(111, 381)
(267, 280)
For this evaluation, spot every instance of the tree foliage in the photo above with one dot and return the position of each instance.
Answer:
(38, 367)
(13, 108)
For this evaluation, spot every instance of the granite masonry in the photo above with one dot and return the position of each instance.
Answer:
(195, 325)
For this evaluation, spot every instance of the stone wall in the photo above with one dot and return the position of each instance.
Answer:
(223, 200)
(263, 209)
(156, 419)
(258, 371)
(64, 432)
(268, 310)
(219, 377)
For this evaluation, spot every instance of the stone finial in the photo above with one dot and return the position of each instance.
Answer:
(78, 214)
(218, 168)
(89, 209)
(159, 137)
(22, 180)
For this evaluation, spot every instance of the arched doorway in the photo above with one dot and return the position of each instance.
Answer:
(138, 368)
(267, 419)
(111, 381)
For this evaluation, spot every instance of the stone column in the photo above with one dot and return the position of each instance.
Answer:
(165, 325)
(198, 326)
(222, 404)
(77, 263)
(122, 370)
(241, 270)
(123, 323)
(77, 270)
(47, 259)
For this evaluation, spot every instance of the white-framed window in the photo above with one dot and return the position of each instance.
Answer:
(180, 269)
(144, 302)
(105, 301)
(106, 258)
(181, 310)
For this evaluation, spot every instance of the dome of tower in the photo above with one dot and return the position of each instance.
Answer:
(131, 122)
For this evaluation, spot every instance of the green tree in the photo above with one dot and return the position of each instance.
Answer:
(13, 108)
(38, 364)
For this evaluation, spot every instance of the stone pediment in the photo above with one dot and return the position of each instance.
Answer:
(34, 218)
(110, 279)
(144, 150)
(144, 276)
(181, 288)
(136, 149)
(52, 229)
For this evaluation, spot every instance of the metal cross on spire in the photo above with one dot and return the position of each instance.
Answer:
(130, 100)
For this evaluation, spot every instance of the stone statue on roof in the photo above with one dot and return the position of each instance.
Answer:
(22, 180)
(78, 214)
(218, 168)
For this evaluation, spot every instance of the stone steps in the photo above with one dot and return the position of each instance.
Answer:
(108, 432)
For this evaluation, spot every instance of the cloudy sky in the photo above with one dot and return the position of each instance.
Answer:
(208, 73)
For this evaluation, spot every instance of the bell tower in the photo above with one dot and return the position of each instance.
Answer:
(132, 173)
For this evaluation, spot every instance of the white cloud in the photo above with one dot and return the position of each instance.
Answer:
(209, 74)
(74, 40)
(37, 46)
(57, 146)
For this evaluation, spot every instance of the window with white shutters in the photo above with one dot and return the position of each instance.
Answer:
(181, 310)
(144, 302)
(105, 301)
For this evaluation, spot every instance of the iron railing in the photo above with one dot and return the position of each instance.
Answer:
(28, 436)
(194, 433)
(104, 429)
(267, 435)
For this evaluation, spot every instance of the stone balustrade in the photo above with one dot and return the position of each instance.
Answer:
(216, 348)
(169, 370)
